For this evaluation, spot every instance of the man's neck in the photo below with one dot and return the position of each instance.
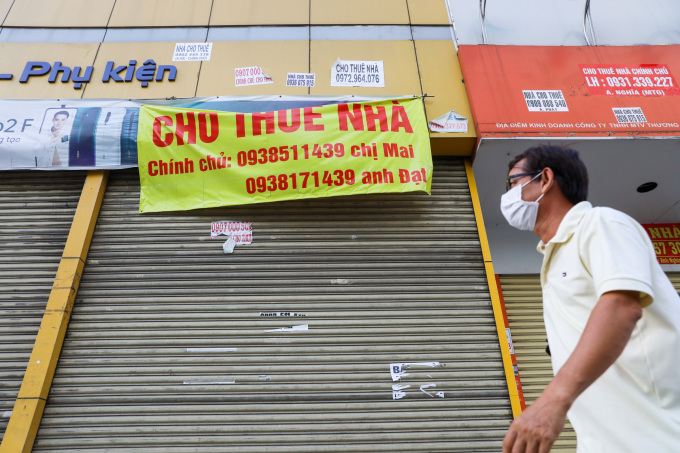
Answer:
(550, 219)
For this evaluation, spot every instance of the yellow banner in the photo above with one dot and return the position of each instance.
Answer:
(191, 159)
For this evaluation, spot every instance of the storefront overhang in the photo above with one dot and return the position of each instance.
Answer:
(149, 70)
(618, 106)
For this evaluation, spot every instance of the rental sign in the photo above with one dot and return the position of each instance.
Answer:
(666, 241)
(191, 159)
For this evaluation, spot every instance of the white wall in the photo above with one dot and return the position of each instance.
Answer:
(560, 22)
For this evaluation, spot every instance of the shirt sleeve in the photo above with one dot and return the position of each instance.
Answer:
(619, 256)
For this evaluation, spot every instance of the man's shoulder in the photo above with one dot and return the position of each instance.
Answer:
(610, 223)
(605, 214)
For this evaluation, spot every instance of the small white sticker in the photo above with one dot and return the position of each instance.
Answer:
(7, 414)
(192, 51)
(427, 386)
(357, 74)
(283, 314)
(545, 101)
(509, 338)
(300, 79)
(252, 75)
(449, 122)
(211, 349)
(208, 382)
(397, 370)
(398, 394)
(290, 329)
(629, 115)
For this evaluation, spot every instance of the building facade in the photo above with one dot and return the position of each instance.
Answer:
(367, 323)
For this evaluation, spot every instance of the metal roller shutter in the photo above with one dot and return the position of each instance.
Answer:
(168, 346)
(675, 279)
(524, 306)
(36, 211)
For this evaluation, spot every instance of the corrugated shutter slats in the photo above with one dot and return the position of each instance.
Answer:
(168, 349)
(36, 211)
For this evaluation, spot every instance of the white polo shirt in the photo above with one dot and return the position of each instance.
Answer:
(635, 405)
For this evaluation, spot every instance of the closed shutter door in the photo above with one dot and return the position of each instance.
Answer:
(524, 306)
(172, 344)
(675, 279)
(36, 211)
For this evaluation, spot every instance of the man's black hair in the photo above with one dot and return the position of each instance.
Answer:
(61, 112)
(571, 174)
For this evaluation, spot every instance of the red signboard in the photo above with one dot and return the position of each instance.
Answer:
(666, 240)
(573, 91)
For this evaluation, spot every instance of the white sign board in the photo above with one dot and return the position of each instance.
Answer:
(545, 101)
(192, 51)
(357, 74)
(300, 79)
(629, 115)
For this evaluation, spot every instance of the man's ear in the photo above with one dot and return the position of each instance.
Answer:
(547, 179)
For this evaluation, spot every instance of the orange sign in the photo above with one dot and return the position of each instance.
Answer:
(666, 240)
(573, 91)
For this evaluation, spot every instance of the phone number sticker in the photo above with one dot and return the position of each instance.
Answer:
(545, 101)
(629, 80)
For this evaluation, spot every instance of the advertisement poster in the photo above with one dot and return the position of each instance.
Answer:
(68, 134)
(192, 158)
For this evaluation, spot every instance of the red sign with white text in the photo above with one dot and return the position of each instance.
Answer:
(554, 91)
(666, 240)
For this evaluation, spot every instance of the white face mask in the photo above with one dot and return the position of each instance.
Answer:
(519, 213)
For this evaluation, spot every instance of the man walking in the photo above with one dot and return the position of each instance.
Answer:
(611, 315)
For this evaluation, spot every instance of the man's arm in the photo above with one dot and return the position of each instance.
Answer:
(607, 332)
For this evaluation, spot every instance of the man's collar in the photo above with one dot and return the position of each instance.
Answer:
(568, 224)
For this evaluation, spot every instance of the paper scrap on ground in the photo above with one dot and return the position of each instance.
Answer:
(290, 329)
(357, 74)
(242, 231)
(449, 122)
(211, 349)
(252, 75)
(192, 51)
(229, 244)
(300, 79)
(397, 369)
